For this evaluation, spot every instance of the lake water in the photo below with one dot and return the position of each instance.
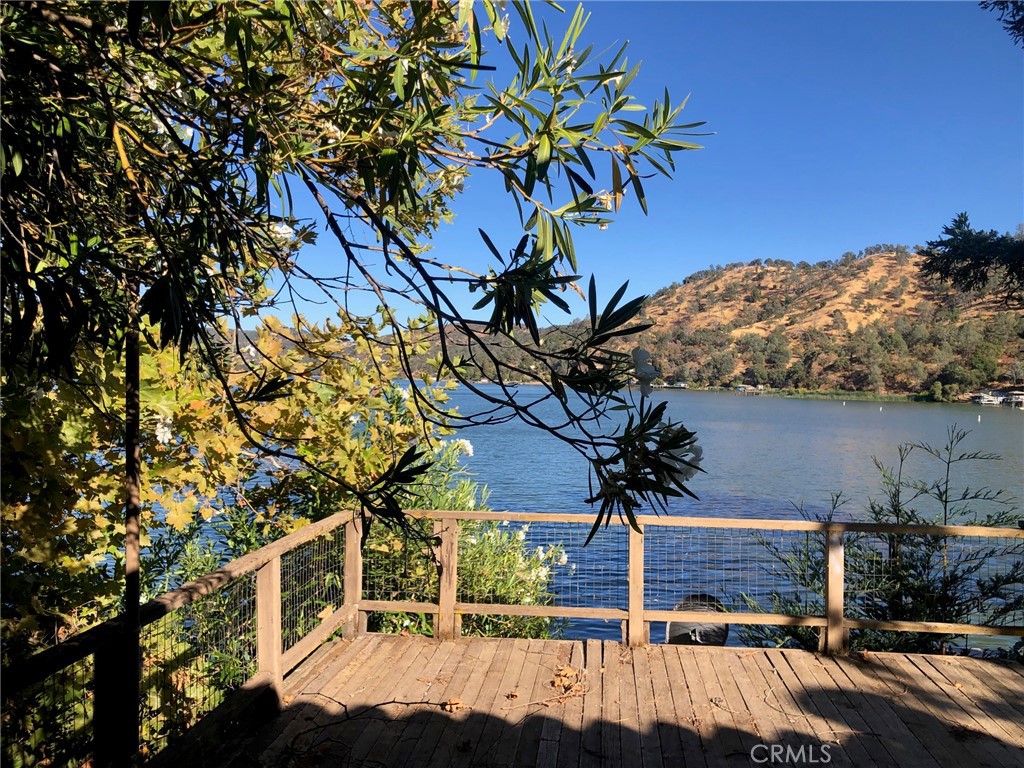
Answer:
(762, 456)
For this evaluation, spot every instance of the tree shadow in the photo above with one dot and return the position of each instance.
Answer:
(858, 713)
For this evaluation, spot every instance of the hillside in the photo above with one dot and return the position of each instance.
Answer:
(867, 322)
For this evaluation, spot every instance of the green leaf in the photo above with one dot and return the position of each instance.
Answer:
(635, 128)
(543, 156)
(578, 180)
(616, 183)
(638, 188)
(398, 79)
(592, 299)
(490, 245)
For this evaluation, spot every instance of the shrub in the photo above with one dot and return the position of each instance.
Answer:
(910, 577)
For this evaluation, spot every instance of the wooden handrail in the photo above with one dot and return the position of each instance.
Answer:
(768, 524)
(80, 646)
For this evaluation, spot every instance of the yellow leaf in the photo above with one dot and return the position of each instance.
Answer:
(178, 518)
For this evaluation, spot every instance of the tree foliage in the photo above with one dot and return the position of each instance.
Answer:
(1011, 16)
(171, 161)
(973, 260)
(62, 533)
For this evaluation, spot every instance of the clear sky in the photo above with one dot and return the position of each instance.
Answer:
(837, 125)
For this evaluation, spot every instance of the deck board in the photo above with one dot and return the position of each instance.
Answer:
(388, 701)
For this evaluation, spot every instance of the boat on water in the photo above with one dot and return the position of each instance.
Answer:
(986, 398)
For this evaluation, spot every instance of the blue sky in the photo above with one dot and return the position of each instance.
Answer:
(836, 126)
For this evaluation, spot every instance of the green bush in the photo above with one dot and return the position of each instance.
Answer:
(496, 565)
(909, 577)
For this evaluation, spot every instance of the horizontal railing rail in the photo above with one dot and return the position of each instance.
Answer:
(284, 600)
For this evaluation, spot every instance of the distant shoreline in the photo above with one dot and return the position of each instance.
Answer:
(795, 394)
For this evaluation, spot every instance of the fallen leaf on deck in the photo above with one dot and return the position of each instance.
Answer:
(565, 679)
(454, 704)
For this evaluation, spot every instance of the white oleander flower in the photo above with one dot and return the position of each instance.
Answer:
(644, 372)
(164, 435)
(563, 559)
(463, 445)
(540, 552)
(282, 233)
(521, 534)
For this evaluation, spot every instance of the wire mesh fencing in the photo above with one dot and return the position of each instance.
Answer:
(976, 580)
(740, 569)
(541, 563)
(746, 570)
(50, 723)
(312, 583)
(533, 564)
(192, 658)
(399, 567)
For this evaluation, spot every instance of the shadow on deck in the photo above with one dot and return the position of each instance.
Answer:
(408, 701)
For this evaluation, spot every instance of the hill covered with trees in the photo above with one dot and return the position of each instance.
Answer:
(868, 321)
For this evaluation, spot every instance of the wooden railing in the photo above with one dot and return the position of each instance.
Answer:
(636, 617)
(348, 614)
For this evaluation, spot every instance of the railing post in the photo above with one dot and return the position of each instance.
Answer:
(116, 702)
(447, 626)
(352, 586)
(268, 621)
(636, 630)
(835, 634)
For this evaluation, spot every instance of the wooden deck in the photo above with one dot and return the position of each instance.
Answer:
(403, 701)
